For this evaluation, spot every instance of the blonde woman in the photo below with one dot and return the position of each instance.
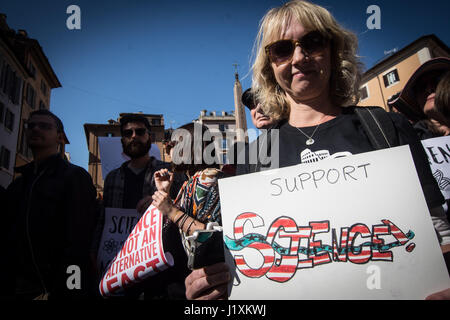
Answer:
(306, 74)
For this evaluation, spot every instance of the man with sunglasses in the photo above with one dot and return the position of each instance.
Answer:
(131, 186)
(259, 119)
(51, 214)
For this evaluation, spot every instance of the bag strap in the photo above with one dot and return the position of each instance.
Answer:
(378, 126)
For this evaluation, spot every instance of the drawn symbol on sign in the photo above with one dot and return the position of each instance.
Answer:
(410, 247)
(110, 246)
(442, 181)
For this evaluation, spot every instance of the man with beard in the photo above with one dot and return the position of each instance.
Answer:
(50, 215)
(131, 186)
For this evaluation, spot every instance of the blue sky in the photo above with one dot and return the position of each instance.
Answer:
(176, 57)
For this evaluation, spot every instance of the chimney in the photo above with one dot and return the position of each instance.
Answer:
(3, 24)
(22, 33)
(203, 113)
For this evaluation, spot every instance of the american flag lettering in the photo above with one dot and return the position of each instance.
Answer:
(281, 262)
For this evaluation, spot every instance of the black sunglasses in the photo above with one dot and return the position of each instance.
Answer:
(40, 125)
(282, 51)
(129, 132)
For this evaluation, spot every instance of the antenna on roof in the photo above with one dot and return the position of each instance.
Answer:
(236, 74)
(392, 51)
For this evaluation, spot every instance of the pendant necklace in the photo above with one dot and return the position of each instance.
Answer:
(310, 140)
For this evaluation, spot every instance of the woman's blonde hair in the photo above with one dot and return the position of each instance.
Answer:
(345, 65)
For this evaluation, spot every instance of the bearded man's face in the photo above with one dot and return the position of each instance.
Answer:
(136, 141)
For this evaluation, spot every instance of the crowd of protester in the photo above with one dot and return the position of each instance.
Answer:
(305, 84)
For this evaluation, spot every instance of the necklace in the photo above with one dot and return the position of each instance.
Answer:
(310, 140)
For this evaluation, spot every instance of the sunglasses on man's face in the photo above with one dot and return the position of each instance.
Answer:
(283, 50)
(41, 125)
(128, 133)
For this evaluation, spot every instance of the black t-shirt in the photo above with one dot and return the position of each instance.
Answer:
(345, 135)
(132, 189)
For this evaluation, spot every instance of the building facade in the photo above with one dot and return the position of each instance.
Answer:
(222, 124)
(12, 77)
(26, 79)
(389, 76)
(112, 129)
(32, 89)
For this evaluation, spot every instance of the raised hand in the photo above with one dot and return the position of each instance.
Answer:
(163, 180)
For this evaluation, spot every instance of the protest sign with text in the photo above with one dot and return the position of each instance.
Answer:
(438, 153)
(314, 231)
(117, 226)
(141, 256)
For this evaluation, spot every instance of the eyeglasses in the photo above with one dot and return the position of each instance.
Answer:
(40, 125)
(283, 50)
(128, 133)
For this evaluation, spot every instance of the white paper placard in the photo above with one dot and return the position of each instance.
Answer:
(112, 156)
(438, 152)
(355, 227)
(118, 225)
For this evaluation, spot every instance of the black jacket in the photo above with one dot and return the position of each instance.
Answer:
(51, 212)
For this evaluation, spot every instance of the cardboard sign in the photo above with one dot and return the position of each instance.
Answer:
(141, 256)
(438, 153)
(355, 227)
(118, 225)
(112, 156)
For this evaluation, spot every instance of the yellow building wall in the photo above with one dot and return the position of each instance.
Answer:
(405, 70)
(375, 97)
(379, 94)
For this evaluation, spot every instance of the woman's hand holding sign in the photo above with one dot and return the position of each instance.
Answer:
(162, 201)
(208, 283)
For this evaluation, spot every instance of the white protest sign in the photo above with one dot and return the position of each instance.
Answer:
(355, 227)
(118, 225)
(141, 256)
(112, 156)
(438, 153)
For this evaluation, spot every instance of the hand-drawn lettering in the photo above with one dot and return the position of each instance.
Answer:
(274, 184)
(319, 178)
(358, 244)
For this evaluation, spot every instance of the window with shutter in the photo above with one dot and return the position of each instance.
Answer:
(5, 154)
(391, 78)
(9, 120)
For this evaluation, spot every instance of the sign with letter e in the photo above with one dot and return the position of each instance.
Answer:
(354, 227)
(142, 255)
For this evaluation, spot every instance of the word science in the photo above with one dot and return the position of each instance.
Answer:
(357, 244)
